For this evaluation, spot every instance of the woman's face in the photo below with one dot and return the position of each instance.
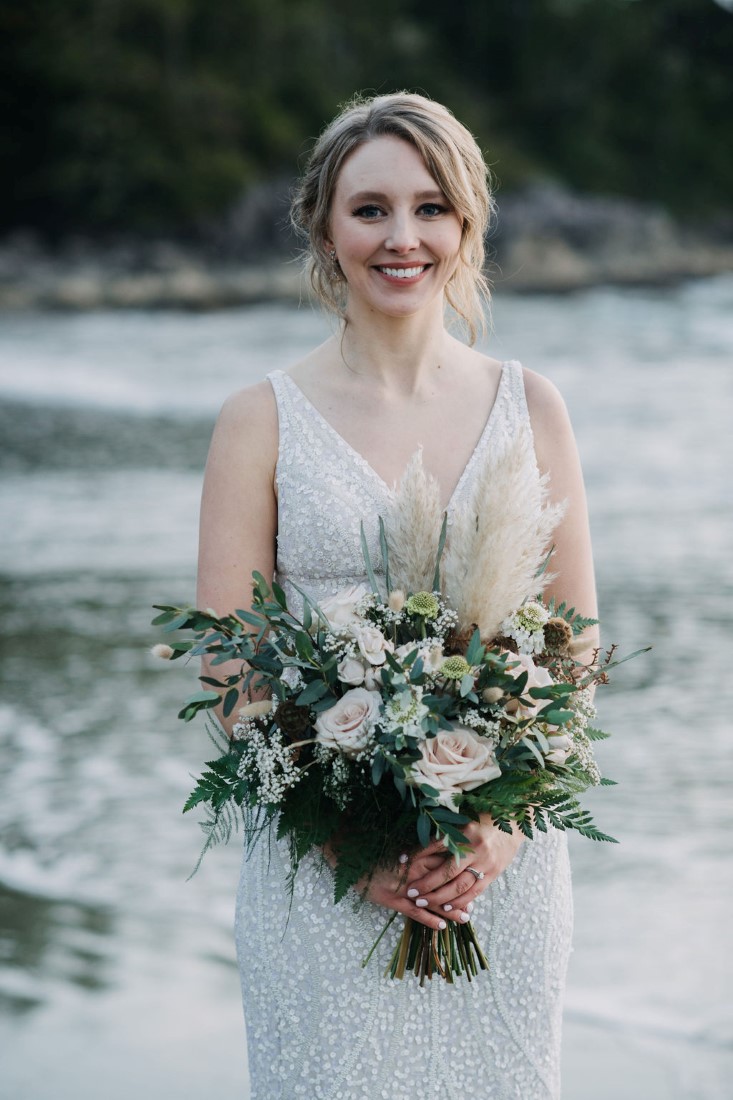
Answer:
(396, 237)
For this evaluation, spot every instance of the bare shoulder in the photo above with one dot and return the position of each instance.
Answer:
(253, 407)
(544, 400)
(247, 423)
(554, 440)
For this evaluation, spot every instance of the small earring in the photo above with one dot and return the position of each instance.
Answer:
(335, 272)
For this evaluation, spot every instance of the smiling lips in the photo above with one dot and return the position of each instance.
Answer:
(403, 273)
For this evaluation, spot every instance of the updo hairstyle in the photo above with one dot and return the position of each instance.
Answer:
(453, 159)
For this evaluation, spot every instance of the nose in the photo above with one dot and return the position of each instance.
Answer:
(402, 235)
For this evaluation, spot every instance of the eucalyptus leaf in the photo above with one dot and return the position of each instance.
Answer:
(312, 693)
(423, 830)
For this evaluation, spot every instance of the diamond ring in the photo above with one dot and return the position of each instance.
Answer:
(478, 875)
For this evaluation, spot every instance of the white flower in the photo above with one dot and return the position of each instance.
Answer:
(162, 651)
(432, 658)
(371, 642)
(537, 676)
(561, 745)
(347, 725)
(405, 650)
(340, 610)
(525, 627)
(373, 678)
(293, 677)
(350, 671)
(432, 655)
(454, 761)
(407, 710)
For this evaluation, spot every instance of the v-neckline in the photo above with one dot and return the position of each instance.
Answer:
(367, 466)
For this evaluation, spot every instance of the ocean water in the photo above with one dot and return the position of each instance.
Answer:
(117, 976)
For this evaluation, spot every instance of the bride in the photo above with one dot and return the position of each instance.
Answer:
(395, 205)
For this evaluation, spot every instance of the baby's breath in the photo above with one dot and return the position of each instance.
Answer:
(482, 725)
(269, 758)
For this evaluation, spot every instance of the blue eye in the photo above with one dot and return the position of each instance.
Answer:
(432, 209)
(369, 212)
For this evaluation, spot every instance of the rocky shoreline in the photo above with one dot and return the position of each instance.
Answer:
(548, 239)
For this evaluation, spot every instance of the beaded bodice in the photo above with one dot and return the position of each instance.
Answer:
(326, 489)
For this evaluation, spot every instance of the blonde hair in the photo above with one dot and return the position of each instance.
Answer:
(452, 157)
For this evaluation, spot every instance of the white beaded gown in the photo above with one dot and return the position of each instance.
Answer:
(318, 1025)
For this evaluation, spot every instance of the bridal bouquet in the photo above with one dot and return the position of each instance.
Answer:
(386, 718)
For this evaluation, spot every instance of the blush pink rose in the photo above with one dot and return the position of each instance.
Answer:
(454, 761)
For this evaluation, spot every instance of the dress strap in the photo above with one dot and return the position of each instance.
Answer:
(517, 394)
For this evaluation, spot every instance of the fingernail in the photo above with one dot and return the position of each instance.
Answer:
(464, 917)
(447, 907)
(412, 892)
(469, 907)
(404, 857)
(441, 924)
(422, 902)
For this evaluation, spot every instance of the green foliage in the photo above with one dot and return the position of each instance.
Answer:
(535, 800)
(157, 114)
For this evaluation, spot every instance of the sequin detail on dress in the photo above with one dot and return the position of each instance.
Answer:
(318, 1025)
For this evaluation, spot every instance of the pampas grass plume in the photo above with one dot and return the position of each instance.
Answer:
(498, 541)
(413, 528)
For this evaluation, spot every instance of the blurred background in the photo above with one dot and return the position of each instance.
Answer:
(146, 271)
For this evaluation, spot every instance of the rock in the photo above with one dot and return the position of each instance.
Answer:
(547, 238)
(550, 238)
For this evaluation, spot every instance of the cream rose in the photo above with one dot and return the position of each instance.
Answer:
(340, 610)
(537, 676)
(347, 725)
(371, 642)
(561, 745)
(350, 671)
(373, 678)
(432, 655)
(454, 761)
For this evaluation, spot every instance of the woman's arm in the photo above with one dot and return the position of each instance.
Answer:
(238, 524)
(557, 456)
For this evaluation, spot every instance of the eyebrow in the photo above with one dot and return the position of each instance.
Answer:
(379, 196)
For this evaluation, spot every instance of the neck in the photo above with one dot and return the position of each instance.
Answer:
(397, 354)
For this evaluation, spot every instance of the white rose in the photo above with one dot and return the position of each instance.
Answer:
(350, 671)
(432, 655)
(454, 761)
(537, 676)
(340, 610)
(373, 678)
(405, 650)
(347, 725)
(371, 642)
(561, 745)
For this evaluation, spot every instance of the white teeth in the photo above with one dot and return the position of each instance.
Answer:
(403, 272)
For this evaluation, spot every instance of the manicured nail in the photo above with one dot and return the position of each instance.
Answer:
(422, 902)
(464, 917)
(404, 857)
(447, 907)
(441, 924)
(412, 892)
(469, 907)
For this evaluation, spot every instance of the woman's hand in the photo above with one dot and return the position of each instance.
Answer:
(440, 884)
(388, 886)
(430, 886)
